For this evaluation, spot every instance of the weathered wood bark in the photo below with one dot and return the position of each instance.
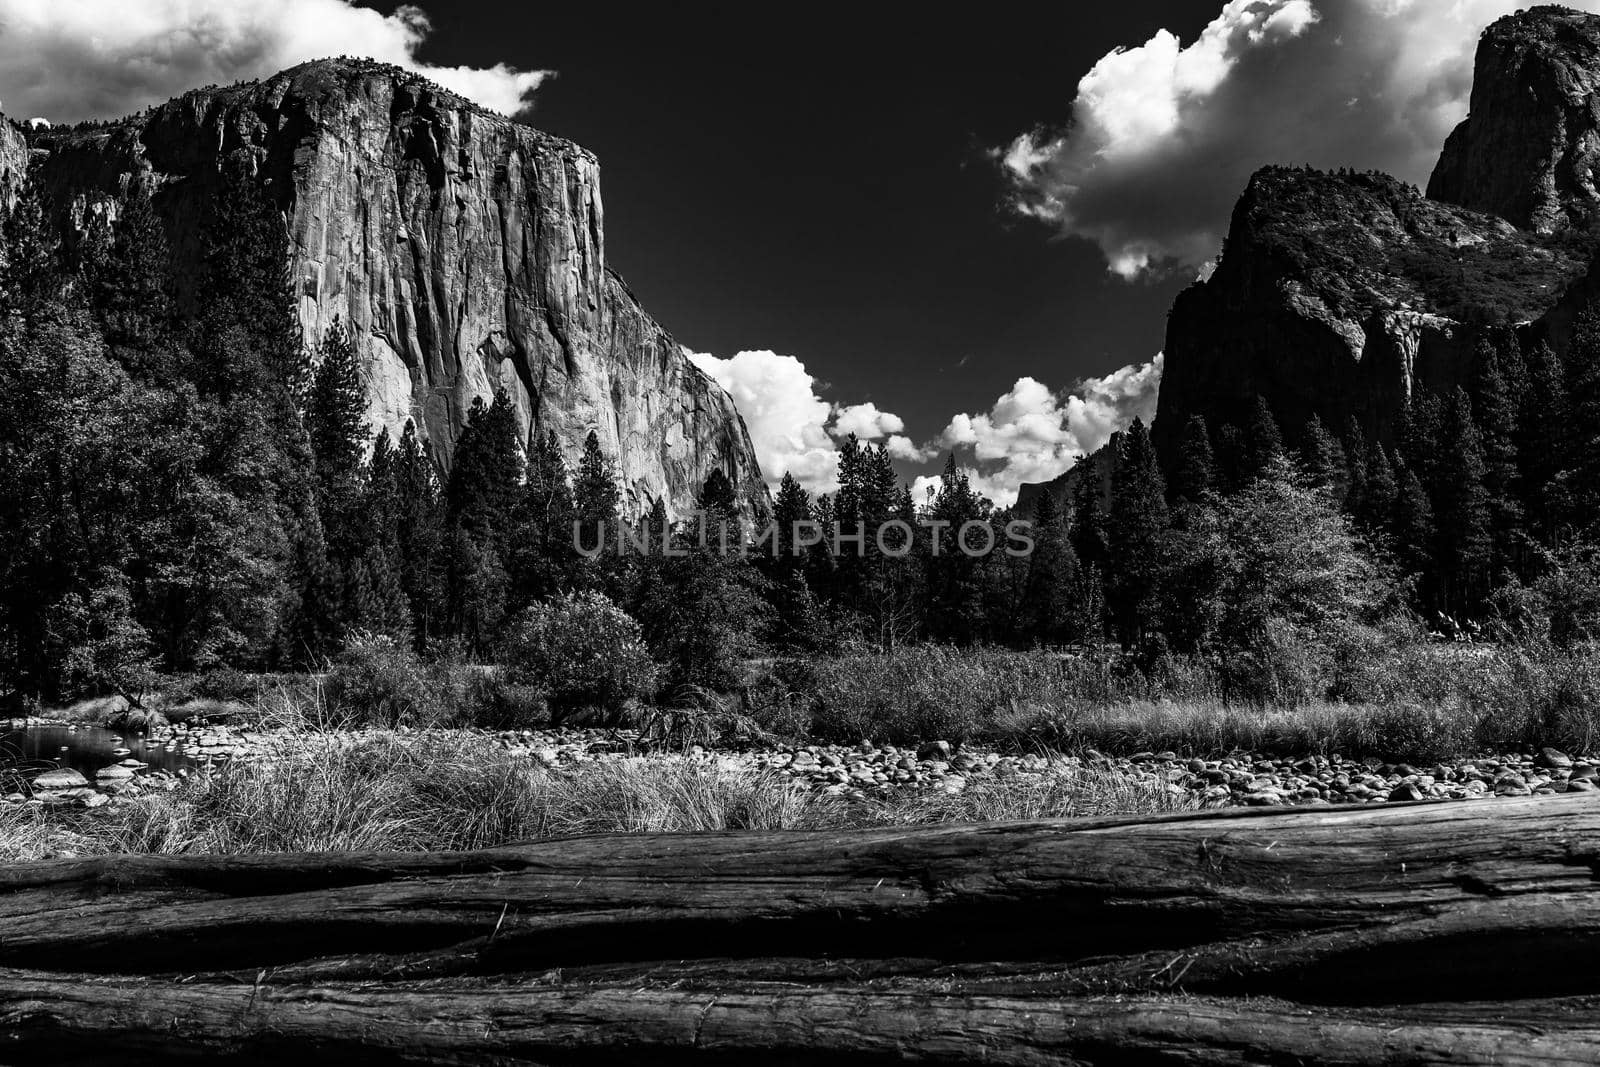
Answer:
(608, 1024)
(1015, 943)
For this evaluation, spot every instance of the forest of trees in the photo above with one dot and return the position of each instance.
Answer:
(185, 484)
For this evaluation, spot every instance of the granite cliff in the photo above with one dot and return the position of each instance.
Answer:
(1340, 294)
(465, 252)
(13, 158)
(1529, 148)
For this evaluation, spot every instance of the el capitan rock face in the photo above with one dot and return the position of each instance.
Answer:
(464, 251)
(13, 158)
(1529, 148)
(1339, 295)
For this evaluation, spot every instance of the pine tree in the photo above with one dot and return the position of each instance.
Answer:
(1543, 424)
(1263, 440)
(1376, 512)
(717, 499)
(1324, 459)
(1581, 464)
(792, 507)
(1088, 515)
(1466, 538)
(377, 601)
(1494, 406)
(1136, 534)
(1195, 477)
(1421, 438)
(419, 530)
(480, 507)
(1052, 574)
(1412, 524)
(130, 289)
(1232, 459)
(486, 473)
(335, 415)
(595, 495)
(544, 561)
(1356, 460)
(954, 589)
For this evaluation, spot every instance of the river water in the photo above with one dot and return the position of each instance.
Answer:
(85, 749)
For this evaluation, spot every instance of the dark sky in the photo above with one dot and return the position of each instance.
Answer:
(814, 181)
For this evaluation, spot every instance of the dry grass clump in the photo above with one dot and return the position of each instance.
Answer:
(392, 792)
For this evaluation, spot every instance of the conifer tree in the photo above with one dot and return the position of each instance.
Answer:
(1087, 524)
(1356, 459)
(1052, 574)
(1580, 494)
(1263, 440)
(335, 415)
(419, 530)
(792, 507)
(1463, 514)
(1232, 459)
(1136, 535)
(954, 587)
(1376, 511)
(1195, 476)
(1494, 407)
(1543, 424)
(480, 507)
(595, 494)
(1324, 459)
(1412, 524)
(717, 498)
(130, 289)
(486, 473)
(544, 560)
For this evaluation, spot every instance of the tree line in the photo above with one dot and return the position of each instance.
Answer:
(186, 485)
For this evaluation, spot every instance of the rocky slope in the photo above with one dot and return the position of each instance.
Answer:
(1340, 294)
(1529, 149)
(465, 251)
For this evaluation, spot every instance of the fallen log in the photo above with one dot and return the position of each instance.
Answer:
(1321, 896)
(1381, 934)
(63, 1021)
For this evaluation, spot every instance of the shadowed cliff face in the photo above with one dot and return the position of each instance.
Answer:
(1338, 295)
(465, 252)
(1528, 150)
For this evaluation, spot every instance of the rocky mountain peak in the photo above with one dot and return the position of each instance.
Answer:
(464, 251)
(1529, 148)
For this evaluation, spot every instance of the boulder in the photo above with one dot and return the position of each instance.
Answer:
(59, 779)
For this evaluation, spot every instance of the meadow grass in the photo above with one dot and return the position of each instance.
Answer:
(408, 793)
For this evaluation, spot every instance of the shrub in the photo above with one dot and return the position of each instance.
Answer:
(583, 651)
(378, 680)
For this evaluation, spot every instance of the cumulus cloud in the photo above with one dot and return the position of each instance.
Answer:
(793, 428)
(1033, 434)
(76, 59)
(866, 422)
(1163, 136)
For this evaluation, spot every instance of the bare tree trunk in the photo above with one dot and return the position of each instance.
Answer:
(1376, 931)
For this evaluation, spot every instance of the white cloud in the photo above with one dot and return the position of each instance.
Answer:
(866, 422)
(77, 59)
(1033, 434)
(794, 429)
(1164, 136)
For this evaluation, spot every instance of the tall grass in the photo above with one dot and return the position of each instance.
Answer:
(412, 793)
(1412, 700)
